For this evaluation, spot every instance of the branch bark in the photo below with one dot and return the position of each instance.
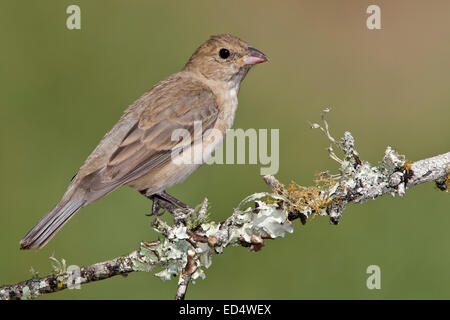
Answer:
(435, 169)
(68, 279)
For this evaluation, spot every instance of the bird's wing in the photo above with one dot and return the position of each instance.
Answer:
(148, 144)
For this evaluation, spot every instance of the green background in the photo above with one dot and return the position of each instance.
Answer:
(61, 90)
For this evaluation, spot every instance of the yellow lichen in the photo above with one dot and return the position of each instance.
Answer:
(407, 166)
(315, 197)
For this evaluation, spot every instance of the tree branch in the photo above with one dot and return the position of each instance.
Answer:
(69, 279)
(187, 246)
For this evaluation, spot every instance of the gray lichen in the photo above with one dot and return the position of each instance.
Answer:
(359, 181)
(247, 226)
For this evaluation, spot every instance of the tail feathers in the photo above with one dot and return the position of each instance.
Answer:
(47, 227)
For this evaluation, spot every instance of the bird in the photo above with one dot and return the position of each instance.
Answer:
(137, 151)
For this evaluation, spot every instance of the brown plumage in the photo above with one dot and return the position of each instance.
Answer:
(137, 151)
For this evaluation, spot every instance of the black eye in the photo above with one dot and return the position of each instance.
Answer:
(224, 53)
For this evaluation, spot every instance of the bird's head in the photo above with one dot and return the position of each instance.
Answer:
(225, 58)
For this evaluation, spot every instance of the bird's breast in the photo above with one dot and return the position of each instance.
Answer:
(228, 102)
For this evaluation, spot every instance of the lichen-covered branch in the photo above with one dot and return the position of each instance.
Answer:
(68, 278)
(395, 182)
(187, 247)
(358, 181)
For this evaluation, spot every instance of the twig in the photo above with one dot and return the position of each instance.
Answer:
(70, 279)
(186, 275)
(433, 169)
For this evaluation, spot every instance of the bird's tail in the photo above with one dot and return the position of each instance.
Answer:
(47, 227)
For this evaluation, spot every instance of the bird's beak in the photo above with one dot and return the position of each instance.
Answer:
(253, 57)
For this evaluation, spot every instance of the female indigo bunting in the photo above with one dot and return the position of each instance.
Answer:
(137, 151)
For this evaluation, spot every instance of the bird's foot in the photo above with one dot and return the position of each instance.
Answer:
(164, 201)
(164, 195)
(158, 206)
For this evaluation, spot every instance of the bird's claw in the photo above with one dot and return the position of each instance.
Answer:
(157, 208)
(161, 204)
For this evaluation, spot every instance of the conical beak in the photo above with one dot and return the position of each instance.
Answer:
(254, 57)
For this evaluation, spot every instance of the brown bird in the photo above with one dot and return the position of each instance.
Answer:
(137, 151)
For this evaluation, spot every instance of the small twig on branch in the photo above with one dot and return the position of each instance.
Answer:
(183, 283)
(186, 275)
(187, 246)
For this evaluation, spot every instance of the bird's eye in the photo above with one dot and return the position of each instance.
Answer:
(224, 53)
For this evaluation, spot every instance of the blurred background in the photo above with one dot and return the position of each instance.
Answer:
(62, 90)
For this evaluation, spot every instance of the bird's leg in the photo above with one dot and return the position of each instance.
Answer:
(164, 201)
(158, 204)
(173, 200)
(161, 203)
